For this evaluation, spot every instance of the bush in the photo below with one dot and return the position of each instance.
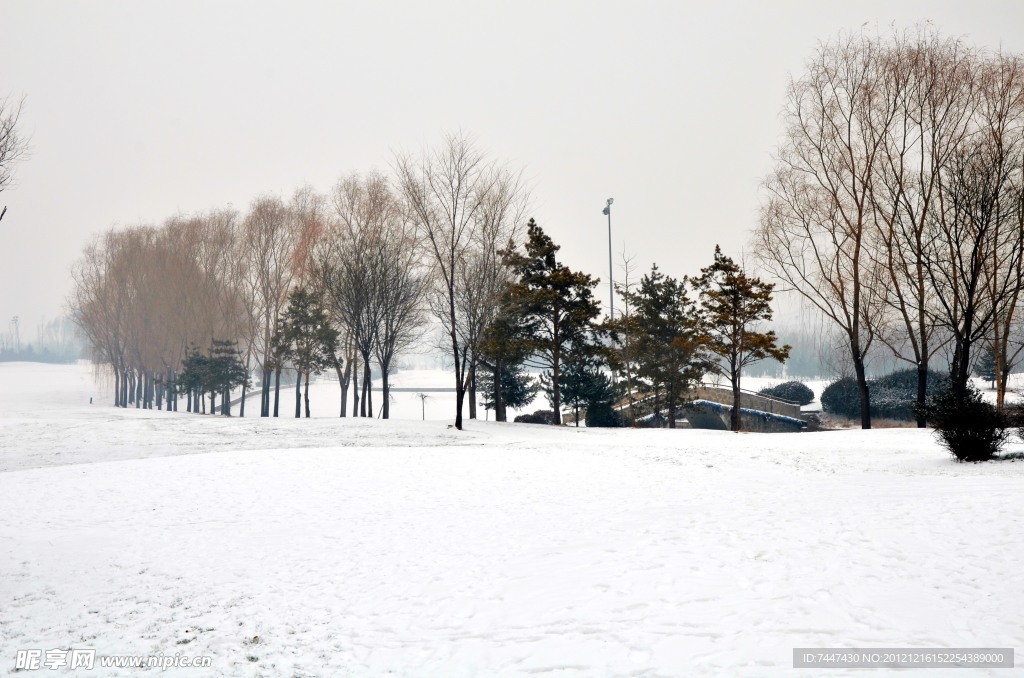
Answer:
(973, 431)
(538, 417)
(793, 391)
(893, 396)
(601, 415)
(842, 397)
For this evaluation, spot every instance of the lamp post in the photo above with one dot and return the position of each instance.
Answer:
(611, 286)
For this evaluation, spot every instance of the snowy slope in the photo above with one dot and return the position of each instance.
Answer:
(360, 547)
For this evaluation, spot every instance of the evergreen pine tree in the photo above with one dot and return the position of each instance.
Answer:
(503, 349)
(558, 305)
(734, 305)
(226, 370)
(986, 366)
(670, 342)
(307, 338)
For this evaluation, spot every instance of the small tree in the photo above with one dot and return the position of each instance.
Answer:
(600, 407)
(966, 425)
(193, 378)
(582, 379)
(217, 372)
(734, 304)
(516, 390)
(225, 371)
(986, 367)
(558, 305)
(503, 350)
(669, 339)
(311, 343)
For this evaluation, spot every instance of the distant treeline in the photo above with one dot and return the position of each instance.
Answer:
(55, 342)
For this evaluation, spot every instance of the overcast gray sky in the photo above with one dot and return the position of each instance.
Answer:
(139, 110)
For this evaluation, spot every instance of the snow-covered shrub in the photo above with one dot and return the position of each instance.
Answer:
(842, 397)
(893, 396)
(601, 414)
(793, 391)
(538, 417)
(972, 431)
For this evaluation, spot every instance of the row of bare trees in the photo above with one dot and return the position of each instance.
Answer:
(379, 254)
(897, 203)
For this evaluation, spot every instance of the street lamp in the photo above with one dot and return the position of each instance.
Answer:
(611, 287)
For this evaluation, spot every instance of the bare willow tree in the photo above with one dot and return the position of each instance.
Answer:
(97, 305)
(146, 296)
(13, 145)
(271, 240)
(467, 209)
(816, 228)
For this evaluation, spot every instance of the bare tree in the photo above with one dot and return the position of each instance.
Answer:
(931, 79)
(272, 240)
(13, 146)
(1001, 118)
(400, 283)
(349, 261)
(976, 244)
(816, 228)
(465, 209)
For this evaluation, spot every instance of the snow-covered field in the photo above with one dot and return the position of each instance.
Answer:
(332, 547)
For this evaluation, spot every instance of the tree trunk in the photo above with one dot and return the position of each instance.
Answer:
(556, 393)
(245, 389)
(277, 388)
(922, 393)
(472, 392)
(368, 385)
(499, 395)
(225, 402)
(341, 385)
(265, 393)
(298, 394)
(734, 416)
(862, 389)
(460, 396)
(386, 392)
(355, 391)
(670, 405)
(307, 394)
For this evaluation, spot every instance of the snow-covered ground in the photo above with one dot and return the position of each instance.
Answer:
(333, 547)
